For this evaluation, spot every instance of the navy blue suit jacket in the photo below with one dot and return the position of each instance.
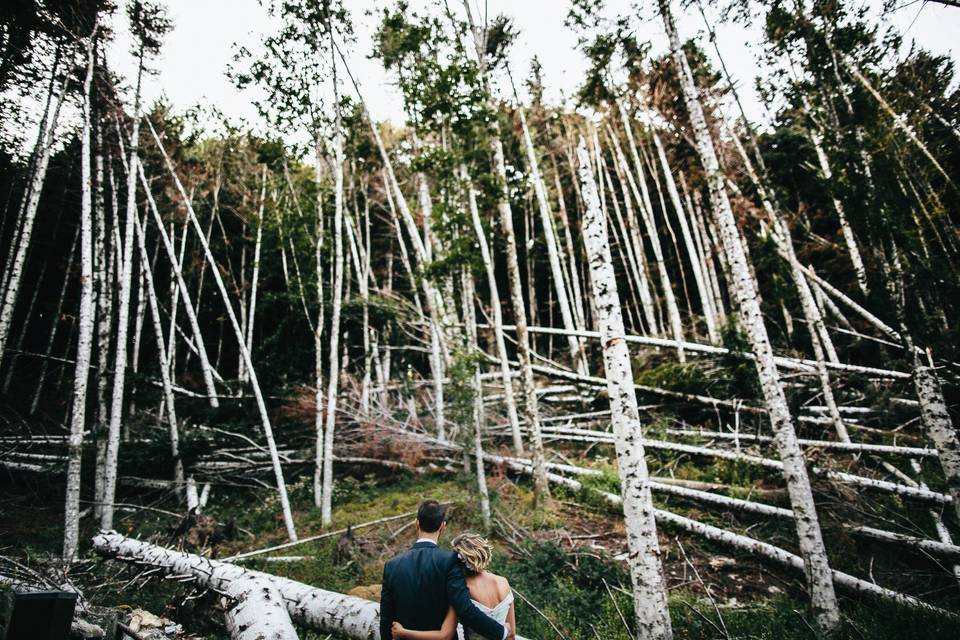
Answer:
(420, 584)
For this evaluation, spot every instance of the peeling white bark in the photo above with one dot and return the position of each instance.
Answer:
(649, 586)
(257, 611)
(71, 532)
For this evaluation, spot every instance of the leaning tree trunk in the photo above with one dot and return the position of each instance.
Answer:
(323, 478)
(819, 576)
(13, 276)
(696, 263)
(848, 236)
(108, 465)
(497, 319)
(531, 409)
(71, 531)
(577, 354)
(164, 355)
(188, 306)
(649, 586)
(241, 345)
(819, 337)
(470, 320)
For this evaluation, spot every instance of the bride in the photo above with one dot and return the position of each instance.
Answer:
(490, 592)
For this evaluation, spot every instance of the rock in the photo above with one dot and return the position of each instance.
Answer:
(83, 630)
(367, 592)
(718, 562)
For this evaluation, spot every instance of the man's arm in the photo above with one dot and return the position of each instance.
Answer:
(470, 616)
(387, 605)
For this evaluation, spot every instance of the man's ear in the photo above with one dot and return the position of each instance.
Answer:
(416, 523)
(443, 525)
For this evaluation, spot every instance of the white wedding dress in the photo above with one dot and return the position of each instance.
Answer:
(498, 613)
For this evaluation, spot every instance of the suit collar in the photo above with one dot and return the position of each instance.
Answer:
(425, 544)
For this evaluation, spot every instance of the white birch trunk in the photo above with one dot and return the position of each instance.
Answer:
(642, 197)
(112, 450)
(324, 468)
(649, 586)
(71, 529)
(14, 273)
(531, 409)
(496, 318)
(849, 238)
(811, 312)
(238, 334)
(324, 611)
(257, 611)
(251, 314)
(819, 576)
(696, 261)
(632, 243)
(165, 373)
(479, 421)
(176, 264)
(546, 221)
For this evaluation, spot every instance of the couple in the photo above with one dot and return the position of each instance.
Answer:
(425, 590)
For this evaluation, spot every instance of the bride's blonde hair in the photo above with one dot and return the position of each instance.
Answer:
(474, 550)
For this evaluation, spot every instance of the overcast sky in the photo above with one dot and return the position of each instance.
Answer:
(191, 68)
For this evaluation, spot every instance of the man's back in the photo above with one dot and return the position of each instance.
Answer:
(417, 581)
(420, 585)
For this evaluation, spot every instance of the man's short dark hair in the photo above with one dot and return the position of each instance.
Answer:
(431, 515)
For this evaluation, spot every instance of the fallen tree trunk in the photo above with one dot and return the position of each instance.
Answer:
(319, 609)
(906, 491)
(756, 547)
(257, 612)
(791, 364)
(932, 547)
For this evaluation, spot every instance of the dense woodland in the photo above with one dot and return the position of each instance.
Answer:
(696, 376)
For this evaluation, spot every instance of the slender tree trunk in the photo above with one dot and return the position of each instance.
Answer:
(819, 575)
(696, 263)
(496, 317)
(632, 243)
(112, 450)
(14, 273)
(251, 314)
(531, 409)
(470, 320)
(649, 586)
(325, 457)
(642, 198)
(811, 312)
(164, 355)
(188, 305)
(238, 334)
(849, 238)
(78, 413)
(577, 353)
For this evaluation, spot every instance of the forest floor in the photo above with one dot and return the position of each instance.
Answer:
(561, 563)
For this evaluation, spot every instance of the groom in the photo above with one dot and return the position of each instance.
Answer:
(420, 584)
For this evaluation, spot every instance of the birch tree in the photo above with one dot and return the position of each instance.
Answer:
(819, 577)
(646, 572)
(149, 23)
(87, 313)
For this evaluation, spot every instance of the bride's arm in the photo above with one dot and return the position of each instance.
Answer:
(447, 631)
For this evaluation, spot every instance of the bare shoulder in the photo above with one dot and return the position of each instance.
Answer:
(503, 586)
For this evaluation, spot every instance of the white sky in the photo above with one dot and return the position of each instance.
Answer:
(191, 68)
